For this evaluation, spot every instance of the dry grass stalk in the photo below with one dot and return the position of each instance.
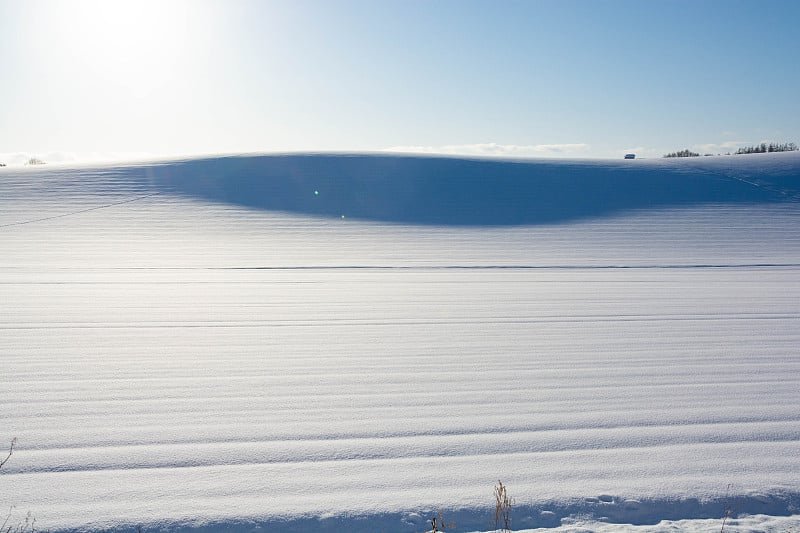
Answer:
(502, 508)
(439, 524)
(10, 451)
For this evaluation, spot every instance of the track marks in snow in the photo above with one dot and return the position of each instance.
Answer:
(499, 441)
(78, 212)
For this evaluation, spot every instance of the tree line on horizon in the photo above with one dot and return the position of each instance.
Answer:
(31, 161)
(757, 149)
(771, 147)
(682, 153)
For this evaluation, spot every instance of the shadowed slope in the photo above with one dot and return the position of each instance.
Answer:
(434, 190)
(447, 191)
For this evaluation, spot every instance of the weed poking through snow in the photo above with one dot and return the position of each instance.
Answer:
(502, 508)
(29, 525)
(439, 524)
(10, 451)
(728, 510)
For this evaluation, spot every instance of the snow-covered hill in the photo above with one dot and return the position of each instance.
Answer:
(354, 342)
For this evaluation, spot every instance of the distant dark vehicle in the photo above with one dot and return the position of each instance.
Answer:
(2, 164)
(630, 156)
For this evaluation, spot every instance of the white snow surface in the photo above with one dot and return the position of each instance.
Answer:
(355, 342)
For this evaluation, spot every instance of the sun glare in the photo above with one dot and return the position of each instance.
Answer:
(131, 44)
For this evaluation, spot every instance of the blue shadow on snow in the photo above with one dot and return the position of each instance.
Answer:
(451, 191)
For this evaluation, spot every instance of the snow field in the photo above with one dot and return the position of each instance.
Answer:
(194, 363)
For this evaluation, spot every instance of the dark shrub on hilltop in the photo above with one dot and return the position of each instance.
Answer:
(683, 153)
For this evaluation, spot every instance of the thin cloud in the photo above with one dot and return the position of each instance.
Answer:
(636, 150)
(716, 148)
(21, 158)
(495, 149)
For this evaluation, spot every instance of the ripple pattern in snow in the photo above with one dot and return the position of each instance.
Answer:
(181, 360)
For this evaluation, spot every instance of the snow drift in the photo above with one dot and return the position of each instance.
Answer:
(354, 342)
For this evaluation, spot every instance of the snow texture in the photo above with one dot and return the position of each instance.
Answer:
(354, 342)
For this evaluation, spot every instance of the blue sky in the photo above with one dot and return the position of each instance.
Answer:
(106, 78)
